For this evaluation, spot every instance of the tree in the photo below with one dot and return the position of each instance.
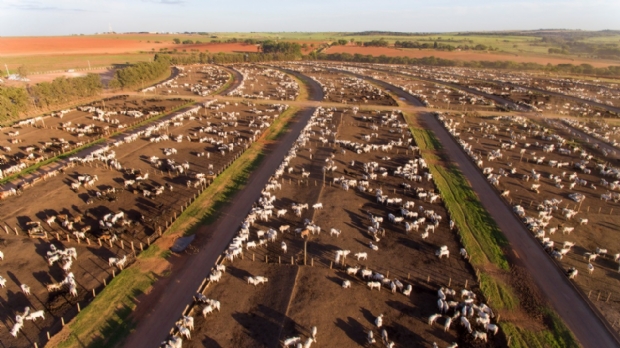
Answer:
(23, 71)
(176, 40)
(435, 45)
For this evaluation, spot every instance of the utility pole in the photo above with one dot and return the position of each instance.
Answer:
(7, 70)
(88, 64)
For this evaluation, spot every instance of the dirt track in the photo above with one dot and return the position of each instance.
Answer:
(154, 326)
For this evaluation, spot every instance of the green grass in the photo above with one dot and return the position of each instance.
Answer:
(479, 232)
(426, 140)
(498, 294)
(281, 123)
(105, 321)
(484, 241)
(556, 336)
(231, 79)
(206, 209)
(481, 236)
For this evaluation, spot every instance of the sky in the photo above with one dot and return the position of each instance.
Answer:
(66, 17)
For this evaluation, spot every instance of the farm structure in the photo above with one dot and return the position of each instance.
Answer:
(200, 80)
(34, 140)
(264, 83)
(352, 209)
(564, 190)
(339, 87)
(88, 222)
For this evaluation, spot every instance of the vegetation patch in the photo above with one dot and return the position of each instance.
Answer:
(105, 321)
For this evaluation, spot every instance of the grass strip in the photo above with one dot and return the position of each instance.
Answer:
(105, 321)
(224, 87)
(484, 241)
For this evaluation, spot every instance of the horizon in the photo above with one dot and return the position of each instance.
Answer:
(351, 33)
(72, 17)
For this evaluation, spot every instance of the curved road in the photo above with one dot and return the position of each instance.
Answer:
(493, 97)
(582, 319)
(555, 94)
(174, 293)
(237, 79)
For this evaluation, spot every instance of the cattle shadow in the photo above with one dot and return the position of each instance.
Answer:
(401, 307)
(353, 329)
(102, 253)
(209, 342)
(356, 219)
(238, 273)
(412, 244)
(20, 296)
(42, 277)
(262, 325)
(84, 197)
(368, 315)
(336, 280)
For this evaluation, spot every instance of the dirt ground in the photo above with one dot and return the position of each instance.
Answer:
(25, 261)
(194, 80)
(463, 55)
(265, 83)
(268, 314)
(342, 88)
(40, 138)
(603, 223)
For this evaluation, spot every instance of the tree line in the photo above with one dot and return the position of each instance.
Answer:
(15, 101)
(441, 46)
(586, 69)
(139, 73)
(63, 90)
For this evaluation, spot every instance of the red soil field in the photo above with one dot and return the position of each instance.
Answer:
(24, 46)
(463, 55)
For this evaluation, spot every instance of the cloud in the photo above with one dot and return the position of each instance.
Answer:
(166, 2)
(37, 6)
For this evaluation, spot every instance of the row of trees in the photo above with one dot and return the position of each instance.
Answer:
(140, 73)
(288, 48)
(13, 102)
(228, 58)
(434, 61)
(186, 42)
(377, 43)
(63, 90)
(441, 46)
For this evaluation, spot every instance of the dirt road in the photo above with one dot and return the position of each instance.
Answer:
(154, 326)
(582, 319)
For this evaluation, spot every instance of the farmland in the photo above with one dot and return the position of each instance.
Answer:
(126, 180)
(365, 229)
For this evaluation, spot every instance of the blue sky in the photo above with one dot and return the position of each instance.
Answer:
(63, 17)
